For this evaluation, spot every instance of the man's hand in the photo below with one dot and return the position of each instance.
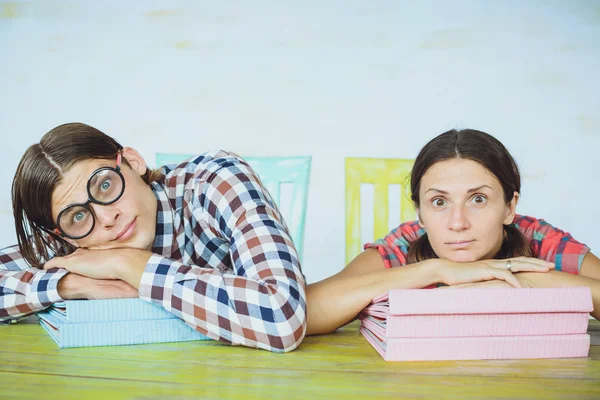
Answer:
(126, 264)
(73, 286)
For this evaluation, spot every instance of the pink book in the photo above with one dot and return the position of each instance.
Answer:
(483, 301)
(466, 325)
(479, 312)
(460, 324)
(480, 348)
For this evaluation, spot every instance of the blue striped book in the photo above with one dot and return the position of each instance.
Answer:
(87, 323)
(109, 310)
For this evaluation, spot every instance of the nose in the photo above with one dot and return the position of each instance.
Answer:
(106, 216)
(458, 219)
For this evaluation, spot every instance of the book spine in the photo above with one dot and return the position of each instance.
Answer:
(126, 332)
(482, 301)
(465, 325)
(488, 348)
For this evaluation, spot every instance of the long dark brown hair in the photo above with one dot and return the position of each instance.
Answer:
(470, 144)
(40, 170)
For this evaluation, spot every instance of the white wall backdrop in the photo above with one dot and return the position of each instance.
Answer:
(330, 79)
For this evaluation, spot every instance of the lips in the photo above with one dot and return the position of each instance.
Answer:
(127, 231)
(459, 244)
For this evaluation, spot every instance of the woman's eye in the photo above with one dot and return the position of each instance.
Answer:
(479, 199)
(439, 202)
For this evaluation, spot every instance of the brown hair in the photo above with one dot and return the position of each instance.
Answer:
(39, 172)
(489, 152)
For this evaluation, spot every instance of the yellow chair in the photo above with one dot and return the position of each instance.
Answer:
(381, 173)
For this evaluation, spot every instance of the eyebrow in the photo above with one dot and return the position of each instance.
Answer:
(468, 191)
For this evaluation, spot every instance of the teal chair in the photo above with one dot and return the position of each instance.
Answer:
(273, 172)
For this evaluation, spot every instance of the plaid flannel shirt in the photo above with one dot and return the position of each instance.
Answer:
(223, 259)
(547, 242)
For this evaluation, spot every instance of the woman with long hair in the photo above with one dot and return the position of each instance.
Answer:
(465, 187)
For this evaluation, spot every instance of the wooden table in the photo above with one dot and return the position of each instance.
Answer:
(341, 365)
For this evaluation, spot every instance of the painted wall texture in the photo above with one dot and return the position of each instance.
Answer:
(329, 80)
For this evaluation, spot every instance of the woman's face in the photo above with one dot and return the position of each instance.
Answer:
(463, 210)
(129, 222)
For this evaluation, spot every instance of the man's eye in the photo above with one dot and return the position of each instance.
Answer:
(105, 185)
(78, 217)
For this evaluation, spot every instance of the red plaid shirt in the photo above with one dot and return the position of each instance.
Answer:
(223, 259)
(548, 243)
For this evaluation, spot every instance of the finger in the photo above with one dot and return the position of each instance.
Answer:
(535, 261)
(506, 276)
(521, 265)
(53, 263)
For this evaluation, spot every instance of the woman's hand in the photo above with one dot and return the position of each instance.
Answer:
(73, 286)
(453, 273)
(102, 264)
(495, 284)
(519, 264)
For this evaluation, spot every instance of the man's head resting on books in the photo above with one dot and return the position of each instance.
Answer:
(78, 187)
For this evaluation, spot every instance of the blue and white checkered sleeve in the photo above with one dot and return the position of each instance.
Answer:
(262, 303)
(25, 290)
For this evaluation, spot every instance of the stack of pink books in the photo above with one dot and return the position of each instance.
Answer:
(479, 324)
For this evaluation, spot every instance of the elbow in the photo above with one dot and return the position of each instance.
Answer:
(292, 332)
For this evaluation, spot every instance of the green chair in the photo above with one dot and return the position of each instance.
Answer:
(381, 173)
(274, 172)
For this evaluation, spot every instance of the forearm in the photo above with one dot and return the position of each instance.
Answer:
(74, 286)
(563, 279)
(551, 279)
(69, 287)
(337, 300)
(267, 312)
(28, 291)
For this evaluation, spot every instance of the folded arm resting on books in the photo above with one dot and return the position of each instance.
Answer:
(337, 300)
(23, 289)
(73, 286)
(553, 279)
(590, 269)
(125, 264)
(172, 285)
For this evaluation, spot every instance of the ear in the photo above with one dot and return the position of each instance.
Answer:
(511, 209)
(135, 160)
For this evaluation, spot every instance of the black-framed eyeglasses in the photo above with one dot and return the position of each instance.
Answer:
(105, 186)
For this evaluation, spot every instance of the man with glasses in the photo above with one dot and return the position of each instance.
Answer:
(202, 239)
